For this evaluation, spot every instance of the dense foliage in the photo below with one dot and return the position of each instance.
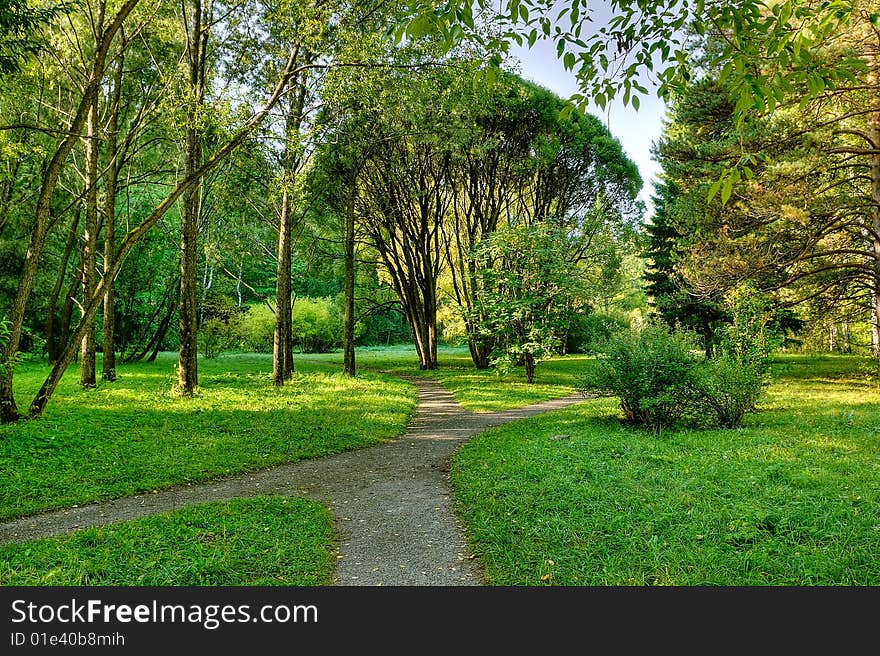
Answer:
(662, 381)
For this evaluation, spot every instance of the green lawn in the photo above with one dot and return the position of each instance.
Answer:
(481, 391)
(792, 498)
(133, 436)
(571, 498)
(256, 541)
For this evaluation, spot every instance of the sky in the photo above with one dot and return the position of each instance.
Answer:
(636, 130)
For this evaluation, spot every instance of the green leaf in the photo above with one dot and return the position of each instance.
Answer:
(785, 13)
(713, 190)
(419, 27)
(726, 190)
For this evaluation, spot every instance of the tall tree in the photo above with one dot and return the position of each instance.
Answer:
(282, 350)
(197, 18)
(523, 160)
(404, 198)
(114, 153)
(90, 238)
(802, 220)
(490, 169)
(40, 225)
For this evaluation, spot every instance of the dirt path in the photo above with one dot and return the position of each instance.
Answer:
(391, 502)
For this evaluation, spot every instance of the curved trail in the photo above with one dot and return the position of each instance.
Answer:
(391, 502)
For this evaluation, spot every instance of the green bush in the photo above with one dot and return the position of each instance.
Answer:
(647, 370)
(663, 380)
(748, 338)
(317, 324)
(255, 330)
(383, 329)
(727, 388)
(216, 336)
(5, 334)
(590, 332)
(218, 329)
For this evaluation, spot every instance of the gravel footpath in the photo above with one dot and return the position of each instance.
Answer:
(391, 502)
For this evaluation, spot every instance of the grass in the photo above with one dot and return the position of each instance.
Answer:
(255, 541)
(569, 498)
(134, 436)
(792, 498)
(481, 391)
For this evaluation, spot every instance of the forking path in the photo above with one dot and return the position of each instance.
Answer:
(391, 502)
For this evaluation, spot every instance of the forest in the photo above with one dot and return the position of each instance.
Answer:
(218, 211)
(331, 192)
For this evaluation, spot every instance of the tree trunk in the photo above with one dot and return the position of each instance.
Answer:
(53, 347)
(7, 187)
(187, 366)
(708, 340)
(348, 357)
(281, 341)
(874, 137)
(480, 352)
(188, 355)
(875, 323)
(423, 321)
(238, 285)
(90, 241)
(431, 321)
(108, 364)
(529, 361)
(67, 313)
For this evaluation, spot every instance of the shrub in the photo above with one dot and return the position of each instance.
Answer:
(590, 332)
(317, 324)
(216, 336)
(727, 388)
(648, 370)
(748, 339)
(5, 333)
(732, 384)
(662, 380)
(256, 329)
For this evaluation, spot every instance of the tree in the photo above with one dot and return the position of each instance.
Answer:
(529, 284)
(490, 168)
(103, 41)
(406, 190)
(675, 302)
(197, 16)
(802, 221)
(405, 196)
(696, 143)
(333, 183)
(610, 51)
(20, 24)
